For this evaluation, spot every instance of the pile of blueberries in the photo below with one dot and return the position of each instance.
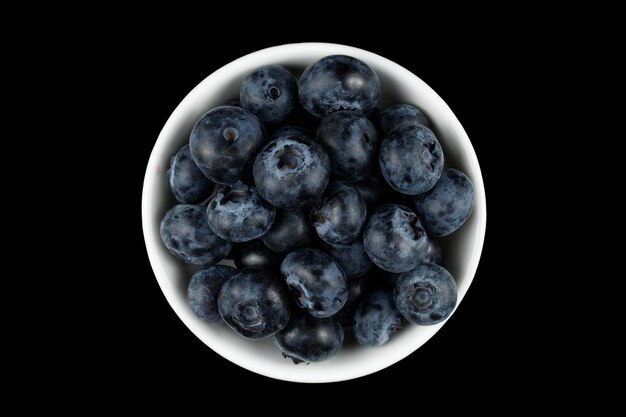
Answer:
(329, 207)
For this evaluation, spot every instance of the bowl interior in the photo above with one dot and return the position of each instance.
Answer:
(461, 250)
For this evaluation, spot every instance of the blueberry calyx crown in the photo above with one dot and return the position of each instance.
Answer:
(230, 134)
(289, 157)
(423, 296)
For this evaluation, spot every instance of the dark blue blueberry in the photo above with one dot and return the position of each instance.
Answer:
(411, 159)
(239, 214)
(376, 319)
(447, 205)
(351, 142)
(291, 131)
(292, 172)
(341, 216)
(224, 140)
(401, 115)
(357, 288)
(187, 182)
(352, 258)
(434, 255)
(309, 339)
(291, 229)
(204, 287)
(270, 92)
(255, 254)
(426, 295)
(338, 82)
(394, 238)
(318, 284)
(187, 235)
(254, 303)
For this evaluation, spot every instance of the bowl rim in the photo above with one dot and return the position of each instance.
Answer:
(152, 237)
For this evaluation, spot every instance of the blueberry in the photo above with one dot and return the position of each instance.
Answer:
(394, 238)
(434, 254)
(204, 287)
(291, 229)
(338, 82)
(411, 159)
(292, 172)
(187, 182)
(376, 319)
(309, 339)
(270, 92)
(317, 283)
(447, 205)
(187, 235)
(352, 258)
(224, 140)
(239, 214)
(426, 295)
(341, 216)
(350, 140)
(357, 288)
(255, 254)
(401, 115)
(254, 303)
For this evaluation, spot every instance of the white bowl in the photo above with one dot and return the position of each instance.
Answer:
(461, 250)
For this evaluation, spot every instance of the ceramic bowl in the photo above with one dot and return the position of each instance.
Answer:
(461, 250)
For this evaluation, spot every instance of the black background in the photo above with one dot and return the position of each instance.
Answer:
(153, 346)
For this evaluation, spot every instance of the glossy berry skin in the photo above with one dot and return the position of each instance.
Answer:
(254, 303)
(224, 140)
(255, 254)
(318, 284)
(426, 295)
(291, 229)
(239, 214)
(292, 172)
(338, 82)
(270, 92)
(351, 141)
(187, 235)
(341, 216)
(411, 159)
(189, 185)
(309, 339)
(357, 288)
(434, 254)
(447, 205)
(376, 319)
(203, 289)
(352, 258)
(401, 115)
(394, 238)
